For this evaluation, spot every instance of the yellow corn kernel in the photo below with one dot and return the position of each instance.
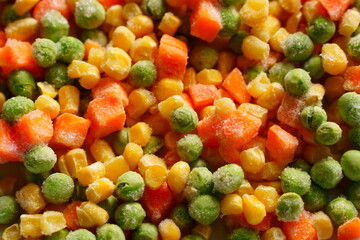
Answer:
(276, 10)
(132, 154)
(178, 177)
(140, 25)
(47, 105)
(255, 49)
(117, 63)
(89, 174)
(254, 12)
(292, 23)
(231, 204)
(131, 10)
(277, 40)
(114, 16)
(202, 230)
(315, 94)
(291, 6)
(11, 233)
(169, 23)
(273, 233)
(310, 9)
(75, 160)
(140, 133)
(115, 168)
(169, 230)
(96, 57)
(23, 30)
(224, 105)
(23, 6)
(91, 215)
(155, 176)
(252, 160)
(2, 100)
(274, 184)
(254, 210)
(226, 63)
(245, 188)
(167, 87)
(265, 30)
(122, 38)
(62, 165)
(30, 225)
(322, 224)
(207, 112)
(209, 77)
(149, 160)
(47, 89)
(144, 48)
(272, 97)
(334, 87)
(167, 106)
(259, 85)
(100, 190)
(139, 102)
(333, 59)
(255, 110)
(268, 196)
(51, 222)
(189, 78)
(88, 74)
(31, 198)
(101, 150)
(69, 99)
(271, 171)
(349, 22)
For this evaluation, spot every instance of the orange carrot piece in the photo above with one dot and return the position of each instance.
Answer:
(89, 44)
(281, 145)
(69, 131)
(109, 3)
(110, 87)
(208, 129)
(290, 109)
(203, 95)
(172, 58)
(71, 216)
(235, 84)
(299, 230)
(45, 5)
(349, 230)
(2, 38)
(335, 8)
(352, 79)
(107, 115)
(9, 150)
(159, 124)
(205, 21)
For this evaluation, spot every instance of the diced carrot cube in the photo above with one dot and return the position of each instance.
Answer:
(235, 84)
(203, 95)
(110, 87)
(9, 150)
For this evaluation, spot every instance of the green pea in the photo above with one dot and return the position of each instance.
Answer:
(354, 137)
(154, 8)
(154, 145)
(183, 120)
(315, 199)
(298, 47)
(95, 35)
(22, 83)
(326, 173)
(189, 147)
(129, 216)
(192, 237)
(349, 108)
(79, 193)
(44, 52)
(9, 15)
(252, 72)
(60, 235)
(314, 67)
(109, 205)
(54, 26)
(146, 231)
(230, 19)
(353, 194)
(89, 14)
(353, 47)
(295, 180)
(181, 217)
(202, 57)
(350, 163)
(15, 107)
(70, 48)
(198, 163)
(328, 133)
(321, 29)
(233, 2)
(297, 82)
(143, 74)
(236, 41)
(289, 207)
(341, 210)
(279, 70)
(36, 178)
(311, 117)
(9, 209)
(121, 139)
(228, 178)
(81, 234)
(204, 209)
(243, 233)
(301, 164)
(40, 159)
(130, 186)
(201, 179)
(57, 75)
(58, 188)
(109, 232)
